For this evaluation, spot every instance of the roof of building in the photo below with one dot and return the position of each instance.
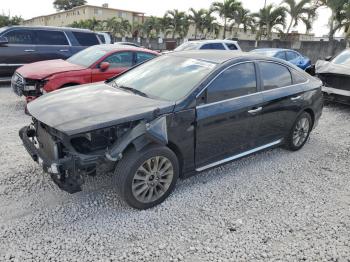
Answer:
(84, 6)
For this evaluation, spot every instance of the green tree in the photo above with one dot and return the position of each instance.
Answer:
(198, 20)
(117, 26)
(7, 20)
(152, 26)
(60, 5)
(227, 10)
(210, 25)
(269, 18)
(178, 23)
(245, 19)
(302, 11)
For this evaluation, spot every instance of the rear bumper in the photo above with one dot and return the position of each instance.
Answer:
(336, 95)
(65, 172)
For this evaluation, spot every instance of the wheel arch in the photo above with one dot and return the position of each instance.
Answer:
(311, 113)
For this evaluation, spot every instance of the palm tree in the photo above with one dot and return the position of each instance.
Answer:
(117, 26)
(245, 19)
(178, 22)
(301, 11)
(151, 25)
(210, 25)
(197, 18)
(227, 10)
(269, 18)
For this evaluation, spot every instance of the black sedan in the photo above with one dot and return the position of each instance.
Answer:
(178, 114)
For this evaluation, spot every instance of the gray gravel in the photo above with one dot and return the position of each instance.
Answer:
(275, 205)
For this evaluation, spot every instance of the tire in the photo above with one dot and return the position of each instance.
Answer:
(131, 176)
(303, 129)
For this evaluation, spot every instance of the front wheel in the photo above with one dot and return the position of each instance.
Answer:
(146, 178)
(300, 132)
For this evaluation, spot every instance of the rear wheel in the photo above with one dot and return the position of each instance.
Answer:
(300, 132)
(146, 178)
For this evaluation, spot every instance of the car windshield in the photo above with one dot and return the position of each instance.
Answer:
(269, 53)
(187, 46)
(2, 29)
(167, 77)
(343, 58)
(87, 56)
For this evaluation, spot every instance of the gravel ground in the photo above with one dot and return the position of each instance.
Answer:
(273, 206)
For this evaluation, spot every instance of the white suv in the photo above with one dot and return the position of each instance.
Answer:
(209, 44)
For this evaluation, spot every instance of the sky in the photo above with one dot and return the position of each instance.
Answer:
(28, 9)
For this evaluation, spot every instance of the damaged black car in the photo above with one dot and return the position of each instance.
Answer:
(335, 75)
(171, 117)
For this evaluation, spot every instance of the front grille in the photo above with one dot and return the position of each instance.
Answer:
(336, 81)
(18, 83)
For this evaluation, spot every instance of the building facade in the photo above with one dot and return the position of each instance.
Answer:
(85, 12)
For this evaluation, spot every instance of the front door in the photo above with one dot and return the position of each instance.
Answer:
(20, 50)
(228, 122)
(118, 63)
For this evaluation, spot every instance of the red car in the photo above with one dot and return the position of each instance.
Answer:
(94, 64)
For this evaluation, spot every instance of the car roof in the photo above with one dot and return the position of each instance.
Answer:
(218, 56)
(113, 47)
(212, 41)
(50, 28)
(273, 49)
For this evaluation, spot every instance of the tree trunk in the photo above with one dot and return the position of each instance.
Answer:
(225, 24)
(331, 27)
(290, 26)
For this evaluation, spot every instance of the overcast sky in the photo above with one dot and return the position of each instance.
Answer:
(28, 9)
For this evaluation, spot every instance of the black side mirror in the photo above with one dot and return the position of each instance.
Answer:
(3, 40)
(328, 58)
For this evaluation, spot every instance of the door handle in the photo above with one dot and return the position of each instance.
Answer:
(295, 98)
(29, 50)
(64, 50)
(255, 111)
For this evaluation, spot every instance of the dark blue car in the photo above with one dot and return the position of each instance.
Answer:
(291, 56)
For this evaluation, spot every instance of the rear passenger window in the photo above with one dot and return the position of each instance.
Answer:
(231, 46)
(20, 37)
(122, 59)
(51, 37)
(281, 55)
(291, 55)
(274, 75)
(141, 57)
(297, 77)
(86, 39)
(236, 81)
(216, 46)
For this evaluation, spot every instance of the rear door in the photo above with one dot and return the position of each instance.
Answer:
(228, 122)
(282, 100)
(118, 63)
(20, 50)
(143, 56)
(52, 44)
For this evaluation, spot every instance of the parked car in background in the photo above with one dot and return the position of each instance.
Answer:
(291, 56)
(20, 45)
(127, 43)
(177, 114)
(105, 37)
(335, 75)
(209, 44)
(93, 64)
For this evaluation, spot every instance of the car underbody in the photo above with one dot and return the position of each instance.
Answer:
(69, 158)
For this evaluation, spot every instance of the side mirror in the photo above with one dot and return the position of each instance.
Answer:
(104, 66)
(3, 40)
(328, 58)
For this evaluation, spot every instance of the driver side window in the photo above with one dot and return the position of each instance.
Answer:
(120, 59)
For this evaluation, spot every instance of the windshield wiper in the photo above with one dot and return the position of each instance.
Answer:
(134, 90)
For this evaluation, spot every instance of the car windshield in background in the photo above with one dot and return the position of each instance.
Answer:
(167, 77)
(343, 58)
(264, 53)
(187, 46)
(87, 57)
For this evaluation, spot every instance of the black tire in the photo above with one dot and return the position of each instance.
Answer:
(128, 166)
(290, 142)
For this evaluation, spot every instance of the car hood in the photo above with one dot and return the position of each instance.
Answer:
(89, 107)
(43, 69)
(325, 67)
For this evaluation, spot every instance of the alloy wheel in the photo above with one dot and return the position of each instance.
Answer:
(152, 179)
(301, 131)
